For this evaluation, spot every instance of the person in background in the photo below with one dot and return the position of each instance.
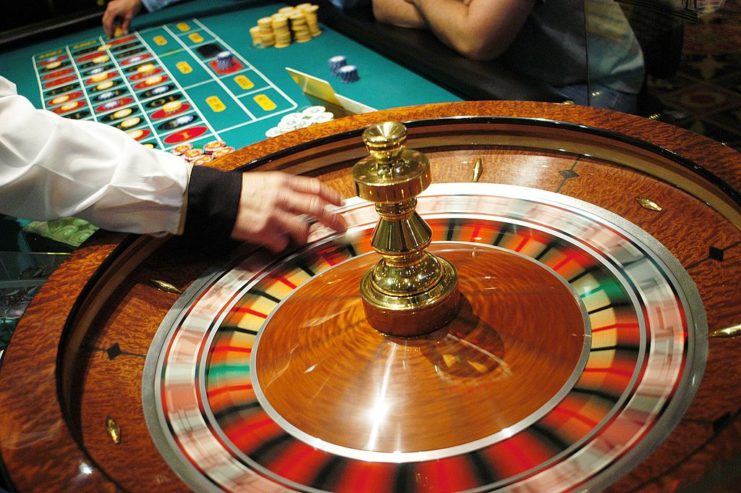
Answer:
(121, 12)
(53, 167)
(585, 49)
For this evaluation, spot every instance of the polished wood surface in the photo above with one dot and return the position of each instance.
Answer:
(425, 393)
(60, 379)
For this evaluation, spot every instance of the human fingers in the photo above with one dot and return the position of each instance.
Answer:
(316, 207)
(126, 24)
(313, 186)
(267, 234)
(129, 12)
(276, 235)
(276, 243)
(292, 225)
(109, 17)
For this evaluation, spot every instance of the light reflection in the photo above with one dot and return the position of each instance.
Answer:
(313, 322)
(507, 371)
(85, 468)
(382, 405)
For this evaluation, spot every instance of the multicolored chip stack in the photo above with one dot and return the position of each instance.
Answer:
(298, 24)
(211, 150)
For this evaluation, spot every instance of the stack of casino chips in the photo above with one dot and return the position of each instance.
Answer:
(146, 70)
(339, 67)
(212, 150)
(172, 107)
(348, 74)
(266, 36)
(337, 62)
(299, 27)
(281, 31)
(297, 24)
(293, 121)
(224, 60)
(310, 11)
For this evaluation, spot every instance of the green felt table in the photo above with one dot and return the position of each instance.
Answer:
(237, 105)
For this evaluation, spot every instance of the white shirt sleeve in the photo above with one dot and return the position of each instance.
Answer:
(54, 167)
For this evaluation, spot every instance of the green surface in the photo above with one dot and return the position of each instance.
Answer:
(383, 84)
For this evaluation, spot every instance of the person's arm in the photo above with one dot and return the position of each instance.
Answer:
(477, 29)
(265, 208)
(53, 167)
(123, 11)
(398, 13)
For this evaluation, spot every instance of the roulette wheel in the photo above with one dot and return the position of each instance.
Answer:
(594, 251)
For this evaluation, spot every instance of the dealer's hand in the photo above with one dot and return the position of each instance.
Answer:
(277, 207)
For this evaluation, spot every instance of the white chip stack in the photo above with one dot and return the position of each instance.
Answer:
(293, 121)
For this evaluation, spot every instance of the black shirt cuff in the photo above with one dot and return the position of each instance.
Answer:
(213, 203)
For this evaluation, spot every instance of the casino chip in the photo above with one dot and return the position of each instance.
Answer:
(298, 24)
(122, 113)
(99, 77)
(153, 80)
(222, 152)
(172, 107)
(224, 60)
(281, 31)
(137, 134)
(184, 120)
(129, 122)
(300, 27)
(193, 154)
(106, 95)
(336, 63)
(110, 105)
(160, 89)
(69, 106)
(202, 160)
(214, 146)
(146, 69)
(293, 121)
(273, 132)
(348, 74)
(60, 99)
(313, 111)
(181, 149)
(104, 85)
(255, 34)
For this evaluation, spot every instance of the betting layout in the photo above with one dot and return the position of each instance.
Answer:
(165, 86)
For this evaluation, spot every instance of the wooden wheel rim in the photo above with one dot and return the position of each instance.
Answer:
(46, 341)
